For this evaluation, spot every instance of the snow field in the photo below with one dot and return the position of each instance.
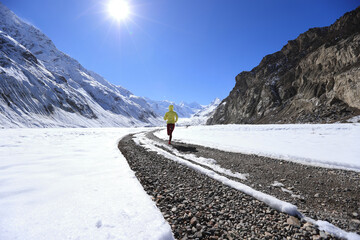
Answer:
(326, 145)
(72, 184)
(75, 184)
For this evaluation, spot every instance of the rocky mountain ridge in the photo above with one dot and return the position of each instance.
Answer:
(312, 79)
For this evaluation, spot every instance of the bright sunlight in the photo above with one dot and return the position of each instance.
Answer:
(118, 9)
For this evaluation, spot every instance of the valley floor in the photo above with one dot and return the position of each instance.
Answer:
(182, 192)
(75, 184)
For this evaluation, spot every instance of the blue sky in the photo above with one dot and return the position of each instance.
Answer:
(178, 50)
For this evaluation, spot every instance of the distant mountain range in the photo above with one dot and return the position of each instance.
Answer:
(41, 86)
(189, 113)
(183, 109)
(202, 115)
(312, 79)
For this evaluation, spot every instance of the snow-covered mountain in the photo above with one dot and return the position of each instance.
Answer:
(41, 86)
(202, 115)
(189, 113)
(208, 110)
(183, 109)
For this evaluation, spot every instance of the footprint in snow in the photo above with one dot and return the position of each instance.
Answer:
(99, 224)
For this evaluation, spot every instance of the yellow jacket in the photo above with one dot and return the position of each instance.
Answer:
(171, 116)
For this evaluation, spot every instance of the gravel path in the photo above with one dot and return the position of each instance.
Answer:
(198, 207)
(326, 194)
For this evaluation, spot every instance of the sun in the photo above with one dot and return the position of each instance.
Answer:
(118, 9)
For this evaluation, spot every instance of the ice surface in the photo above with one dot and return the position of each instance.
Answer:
(72, 184)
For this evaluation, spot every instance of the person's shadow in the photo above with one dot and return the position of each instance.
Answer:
(184, 148)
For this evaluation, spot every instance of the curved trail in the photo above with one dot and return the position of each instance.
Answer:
(197, 206)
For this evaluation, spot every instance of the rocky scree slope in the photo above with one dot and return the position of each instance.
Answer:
(41, 86)
(313, 79)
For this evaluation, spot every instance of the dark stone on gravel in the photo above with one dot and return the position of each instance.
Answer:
(198, 207)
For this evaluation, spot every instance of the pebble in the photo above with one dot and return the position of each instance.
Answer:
(323, 234)
(293, 221)
(193, 221)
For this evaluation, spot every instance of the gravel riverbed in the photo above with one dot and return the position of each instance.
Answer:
(320, 193)
(198, 207)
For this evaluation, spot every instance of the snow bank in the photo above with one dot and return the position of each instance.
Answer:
(72, 184)
(330, 228)
(327, 145)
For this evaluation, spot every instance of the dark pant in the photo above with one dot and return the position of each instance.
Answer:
(170, 128)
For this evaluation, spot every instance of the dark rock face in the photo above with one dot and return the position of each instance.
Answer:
(314, 78)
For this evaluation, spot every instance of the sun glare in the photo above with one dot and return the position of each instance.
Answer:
(118, 9)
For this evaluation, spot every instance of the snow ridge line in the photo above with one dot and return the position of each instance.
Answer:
(273, 202)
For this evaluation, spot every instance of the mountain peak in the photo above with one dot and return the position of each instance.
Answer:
(41, 86)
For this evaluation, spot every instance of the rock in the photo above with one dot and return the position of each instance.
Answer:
(307, 224)
(193, 221)
(355, 214)
(299, 83)
(357, 221)
(293, 221)
(323, 234)
(317, 195)
(199, 234)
